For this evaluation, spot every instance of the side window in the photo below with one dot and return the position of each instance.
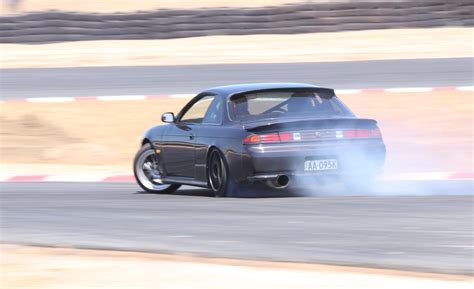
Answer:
(214, 113)
(196, 113)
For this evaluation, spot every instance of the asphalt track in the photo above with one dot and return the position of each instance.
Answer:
(422, 226)
(151, 80)
(430, 233)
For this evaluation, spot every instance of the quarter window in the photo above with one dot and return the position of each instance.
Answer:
(214, 113)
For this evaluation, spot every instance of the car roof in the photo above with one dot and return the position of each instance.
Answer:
(237, 88)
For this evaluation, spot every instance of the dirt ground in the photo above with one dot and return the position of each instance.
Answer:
(34, 267)
(423, 131)
(128, 6)
(311, 47)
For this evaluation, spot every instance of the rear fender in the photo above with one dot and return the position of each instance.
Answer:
(232, 153)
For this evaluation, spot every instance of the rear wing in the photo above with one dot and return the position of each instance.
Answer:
(322, 91)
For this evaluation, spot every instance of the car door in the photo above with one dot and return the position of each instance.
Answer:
(209, 132)
(178, 150)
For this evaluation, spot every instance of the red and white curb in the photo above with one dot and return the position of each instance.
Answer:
(69, 178)
(125, 178)
(403, 90)
(187, 96)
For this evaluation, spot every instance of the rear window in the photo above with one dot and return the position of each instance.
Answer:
(276, 103)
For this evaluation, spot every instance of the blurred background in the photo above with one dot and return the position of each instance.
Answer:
(64, 49)
(82, 80)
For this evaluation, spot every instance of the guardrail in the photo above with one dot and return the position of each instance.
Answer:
(56, 26)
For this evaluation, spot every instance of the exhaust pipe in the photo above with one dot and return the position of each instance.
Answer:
(280, 182)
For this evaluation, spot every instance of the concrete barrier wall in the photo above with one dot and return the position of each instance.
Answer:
(52, 26)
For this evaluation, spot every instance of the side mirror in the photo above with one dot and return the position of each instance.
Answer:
(168, 117)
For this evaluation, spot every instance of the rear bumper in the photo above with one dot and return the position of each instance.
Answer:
(267, 162)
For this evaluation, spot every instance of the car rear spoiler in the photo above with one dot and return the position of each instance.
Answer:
(302, 124)
(323, 91)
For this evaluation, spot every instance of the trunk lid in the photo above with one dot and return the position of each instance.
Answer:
(300, 124)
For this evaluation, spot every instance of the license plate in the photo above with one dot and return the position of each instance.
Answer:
(320, 165)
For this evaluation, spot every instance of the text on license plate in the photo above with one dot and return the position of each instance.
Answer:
(320, 165)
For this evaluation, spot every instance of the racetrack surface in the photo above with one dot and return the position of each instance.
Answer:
(391, 230)
(150, 80)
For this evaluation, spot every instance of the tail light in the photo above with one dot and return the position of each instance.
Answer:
(268, 138)
(280, 137)
(363, 133)
(376, 133)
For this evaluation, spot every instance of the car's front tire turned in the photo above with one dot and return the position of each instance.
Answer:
(145, 169)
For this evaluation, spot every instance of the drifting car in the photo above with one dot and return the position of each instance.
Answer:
(270, 134)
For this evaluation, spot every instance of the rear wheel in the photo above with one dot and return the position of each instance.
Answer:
(218, 175)
(146, 172)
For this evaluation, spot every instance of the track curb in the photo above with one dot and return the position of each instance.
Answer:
(111, 98)
(128, 178)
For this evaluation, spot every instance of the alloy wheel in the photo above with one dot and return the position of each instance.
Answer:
(147, 171)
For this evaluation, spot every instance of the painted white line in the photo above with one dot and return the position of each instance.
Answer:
(120, 97)
(465, 88)
(75, 178)
(187, 95)
(6, 177)
(457, 246)
(50, 99)
(409, 89)
(348, 91)
(395, 253)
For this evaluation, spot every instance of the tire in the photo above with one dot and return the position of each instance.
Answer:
(218, 175)
(146, 172)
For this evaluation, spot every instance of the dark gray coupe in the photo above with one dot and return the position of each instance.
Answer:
(278, 134)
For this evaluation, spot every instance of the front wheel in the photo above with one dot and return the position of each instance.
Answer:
(145, 168)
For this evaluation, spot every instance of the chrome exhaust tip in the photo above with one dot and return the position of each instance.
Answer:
(280, 182)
